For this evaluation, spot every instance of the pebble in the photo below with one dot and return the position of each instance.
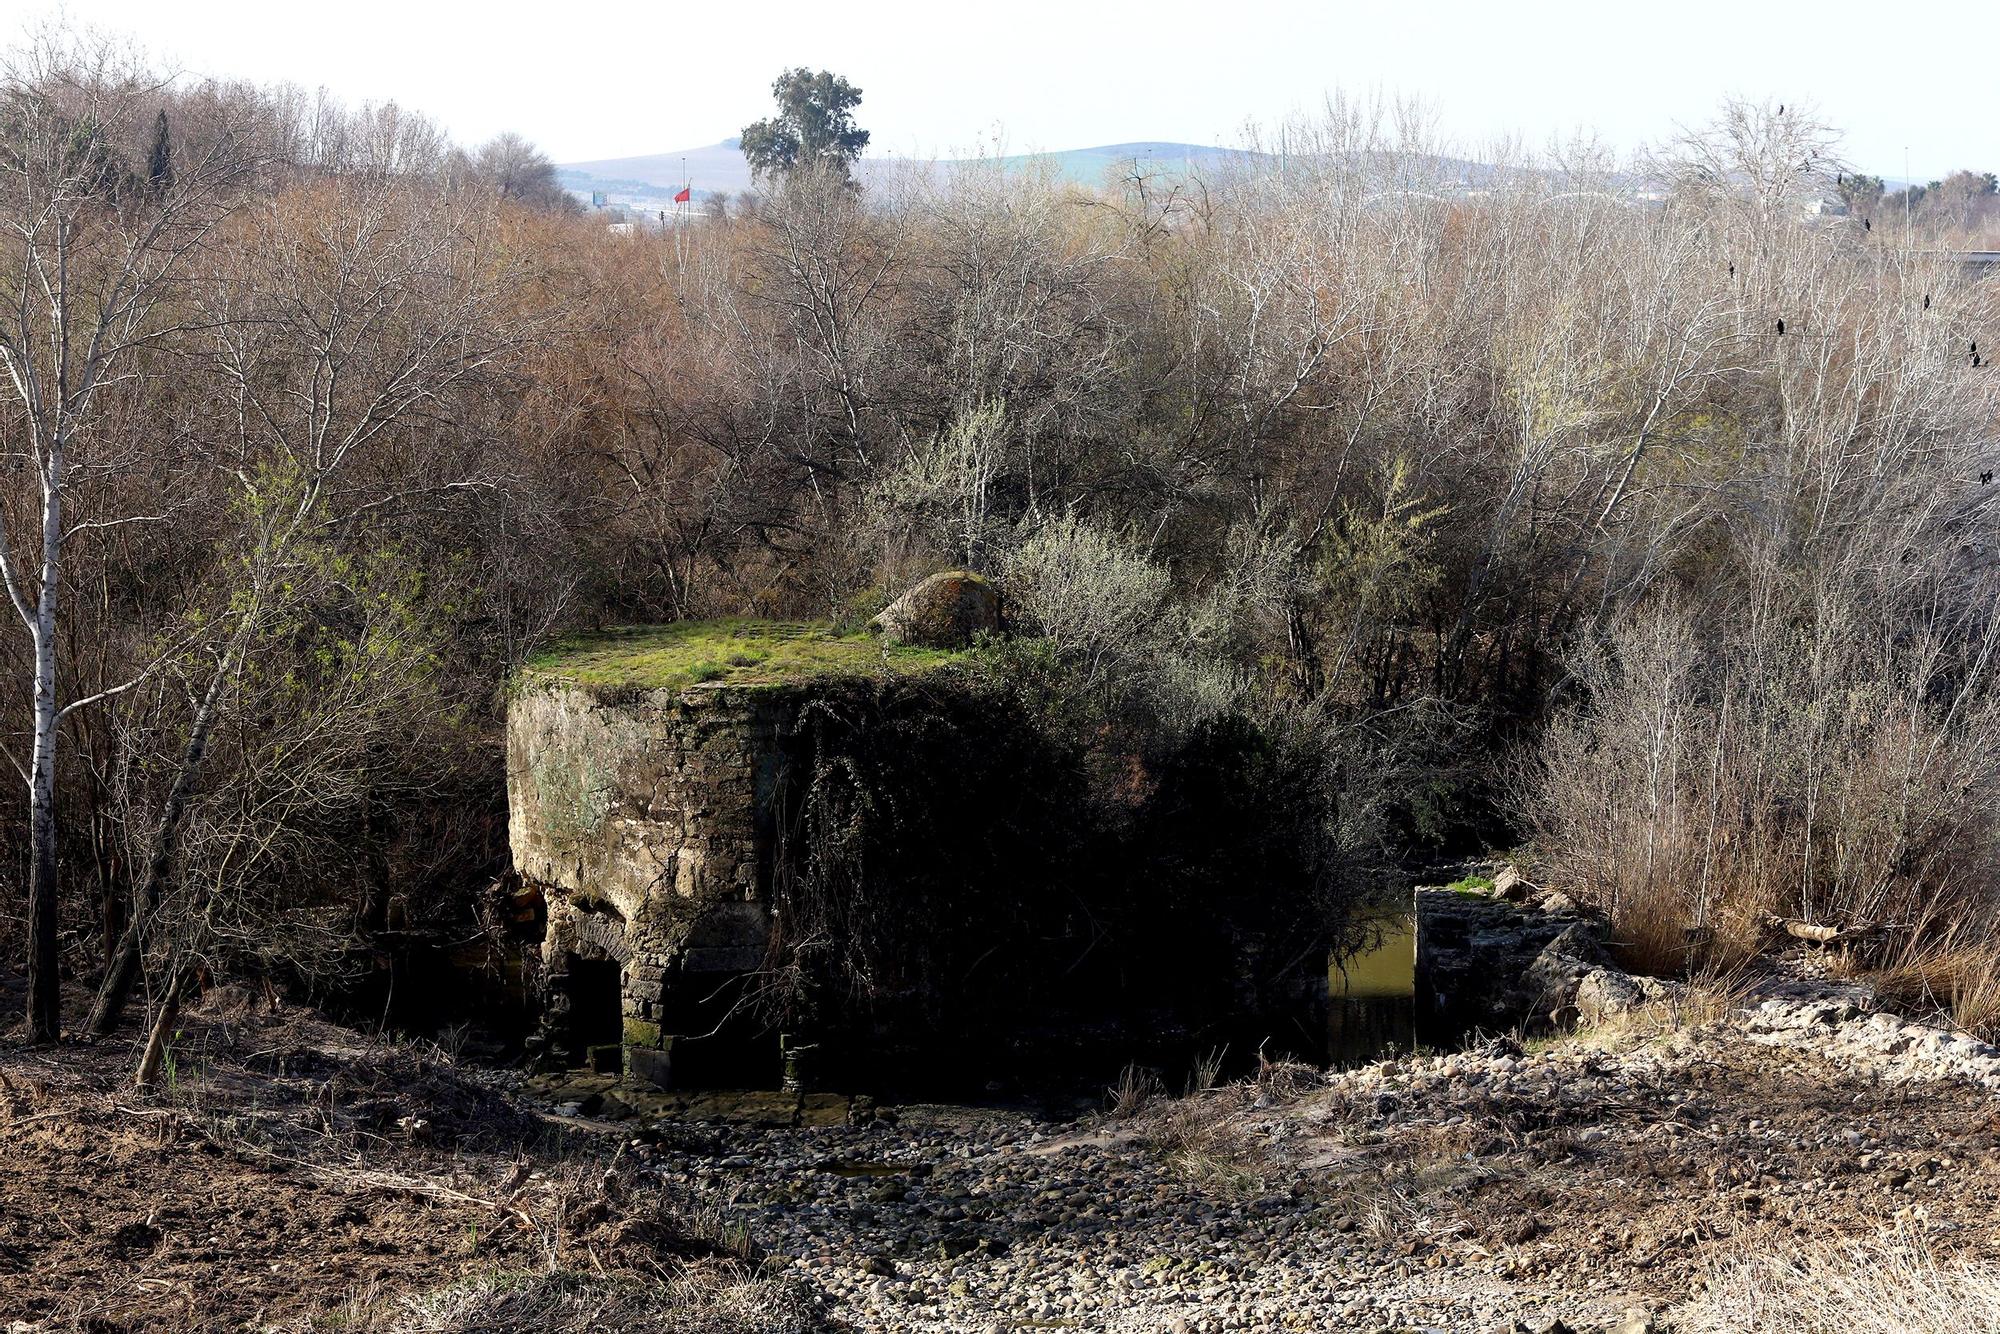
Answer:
(977, 1219)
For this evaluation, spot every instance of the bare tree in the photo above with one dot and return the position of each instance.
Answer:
(93, 253)
(352, 312)
(520, 173)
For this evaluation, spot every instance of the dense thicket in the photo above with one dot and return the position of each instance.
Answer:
(1402, 473)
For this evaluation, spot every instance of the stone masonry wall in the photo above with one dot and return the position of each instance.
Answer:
(645, 817)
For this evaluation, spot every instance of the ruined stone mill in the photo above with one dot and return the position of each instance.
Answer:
(648, 780)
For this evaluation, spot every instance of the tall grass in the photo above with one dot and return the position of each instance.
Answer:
(1957, 974)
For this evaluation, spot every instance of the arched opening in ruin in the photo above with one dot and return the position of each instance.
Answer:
(720, 1041)
(595, 1021)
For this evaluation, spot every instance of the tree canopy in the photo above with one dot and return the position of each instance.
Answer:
(814, 125)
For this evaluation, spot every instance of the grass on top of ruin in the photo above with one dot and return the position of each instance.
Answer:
(731, 651)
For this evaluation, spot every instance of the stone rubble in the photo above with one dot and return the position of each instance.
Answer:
(1894, 1049)
(949, 1227)
(957, 1219)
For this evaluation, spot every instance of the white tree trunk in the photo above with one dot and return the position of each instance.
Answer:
(44, 989)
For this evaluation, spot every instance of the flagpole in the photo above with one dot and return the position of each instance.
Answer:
(680, 218)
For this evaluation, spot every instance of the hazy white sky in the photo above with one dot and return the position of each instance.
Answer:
(610, 78)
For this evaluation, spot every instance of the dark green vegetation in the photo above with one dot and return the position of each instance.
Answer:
(814, 127)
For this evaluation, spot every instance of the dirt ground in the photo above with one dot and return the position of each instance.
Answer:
(1588, 1170)
(296, 1175)
(292, 1173)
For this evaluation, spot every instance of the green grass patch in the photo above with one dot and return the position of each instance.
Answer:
(1472, 884)
(735, 652)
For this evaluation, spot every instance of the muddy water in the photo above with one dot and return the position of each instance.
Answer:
(1371, 1008)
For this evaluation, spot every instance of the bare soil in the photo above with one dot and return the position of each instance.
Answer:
(296, 1175)
(292, 1171)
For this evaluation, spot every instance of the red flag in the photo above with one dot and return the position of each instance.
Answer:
(687, 193)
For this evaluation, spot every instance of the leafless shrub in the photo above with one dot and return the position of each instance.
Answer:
(938, 501)
(1096, 600)
(1713, 776)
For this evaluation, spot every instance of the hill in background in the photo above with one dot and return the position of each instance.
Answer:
(652, 179)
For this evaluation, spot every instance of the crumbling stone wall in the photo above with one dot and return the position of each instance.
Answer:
(646, 819)
(957, 892)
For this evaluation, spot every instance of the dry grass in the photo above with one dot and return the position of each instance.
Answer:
(1958, 976)
(1401, 1179)
(1891, 1285)
(1711, 996)
(1137, 1089)
(1203, 1139)
(1204, 1136)
(717, 1301)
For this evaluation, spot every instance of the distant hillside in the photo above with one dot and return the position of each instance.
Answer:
(652, 179)
(1089, 166)
(657, 176)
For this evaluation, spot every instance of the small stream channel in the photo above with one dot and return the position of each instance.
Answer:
(1370, 1008)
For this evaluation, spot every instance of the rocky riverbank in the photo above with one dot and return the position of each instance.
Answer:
(1593, 1181)
(1616, 1177)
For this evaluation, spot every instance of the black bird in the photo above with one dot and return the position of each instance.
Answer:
(1986, 479)
(1781, 108)
(1781, 328)
(1732, 270)
(1868, 224)
(1927, 300)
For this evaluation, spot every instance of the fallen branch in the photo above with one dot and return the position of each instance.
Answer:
(1822, 933)
(39, 1116)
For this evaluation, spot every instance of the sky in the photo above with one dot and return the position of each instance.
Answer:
(613, 79)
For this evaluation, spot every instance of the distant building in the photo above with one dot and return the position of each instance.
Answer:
(598, 199)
